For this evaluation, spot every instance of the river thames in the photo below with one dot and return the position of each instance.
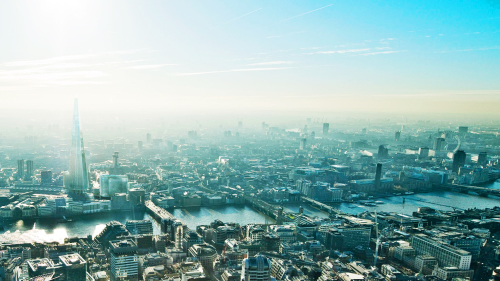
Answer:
(50, 230)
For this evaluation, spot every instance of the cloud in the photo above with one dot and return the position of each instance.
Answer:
(342, 51)
(149, 66)
(231, 70)
(239, 17)
(475, 49)
(272, 63)
(382, 53)
(306, 13)
(61, 59)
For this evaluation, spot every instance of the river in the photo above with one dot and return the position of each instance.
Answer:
(50, 230)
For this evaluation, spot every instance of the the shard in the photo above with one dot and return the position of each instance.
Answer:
(79, 180)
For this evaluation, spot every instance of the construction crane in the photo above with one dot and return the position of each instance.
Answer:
(378, 241)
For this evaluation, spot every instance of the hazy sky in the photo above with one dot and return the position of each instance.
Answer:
(234, 56)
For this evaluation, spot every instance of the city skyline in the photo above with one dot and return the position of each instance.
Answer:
(240, 57)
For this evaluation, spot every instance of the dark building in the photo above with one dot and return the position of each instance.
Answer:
(46, 177)
(463, 130)
(383, 152)
(397, 136)
(482, 158)
(458, 160)
(326, 128)
(438, 144)
(29, 169)
(20, 168)
(378, 176)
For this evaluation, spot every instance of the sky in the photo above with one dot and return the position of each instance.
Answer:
(295, 57)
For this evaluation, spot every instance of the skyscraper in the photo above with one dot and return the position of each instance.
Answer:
(29, 169)
(326, 128)
(397, 136)
(458, 160)
(79, 180)
(20, 168)
(482, 158)
(439, 144)
(378, 175)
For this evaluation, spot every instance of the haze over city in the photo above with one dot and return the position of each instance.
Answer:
(249, 140)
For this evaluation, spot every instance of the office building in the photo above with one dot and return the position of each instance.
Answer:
(458, 160)
(446, 254)
(148, 138)
(462, 130)
(112, 184)
(30, 171)
(397, 136)
(140, 226)
(256, 269)
(482, 158)
(74, 267)
(79, 179)
(303, 144)
(46, 177)
(383, 152)
(115, 160)
(205, 253)
(124, 260)
(326, 128)
(20, 168)
(439, 144)
(423, 153)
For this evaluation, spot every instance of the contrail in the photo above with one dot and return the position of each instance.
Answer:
(239, 17)
(307, 13)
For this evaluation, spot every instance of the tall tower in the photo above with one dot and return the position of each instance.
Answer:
(326, 128)
(20, 168)
(29, 169)
(378, 176)
(458, 160)
(115, 161)
(79, 179)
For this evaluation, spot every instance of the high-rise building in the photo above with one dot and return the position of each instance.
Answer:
(397, 136)
(423, 153)
(458, 160)
(378, 176)
(463, 130)
(139, 145)
(257, 268)
(46, 177)
(482, 158)
(439, 144)
(112, 184)
(326, 128)
(240, 124)
(303, 144)
(79, 179)
(124, 260)
(115, 160)
(29, 169)
(383, 152)
(20, 168)
(148, 138)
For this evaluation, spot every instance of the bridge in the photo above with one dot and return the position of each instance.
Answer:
(322, 206)
(481, 191)
(158, 213)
